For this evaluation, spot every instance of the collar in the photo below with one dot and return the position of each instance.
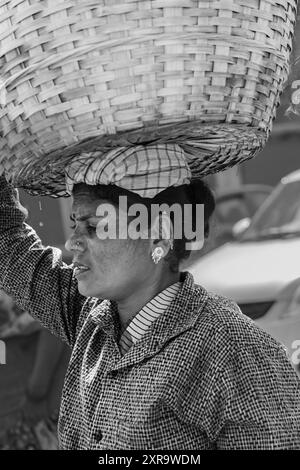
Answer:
(143, 320)
(180, 316)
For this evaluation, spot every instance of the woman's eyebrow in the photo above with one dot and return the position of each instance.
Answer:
(83, 218)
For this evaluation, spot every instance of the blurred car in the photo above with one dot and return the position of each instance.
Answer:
(263, 259)
(231, 206)
(234, 205)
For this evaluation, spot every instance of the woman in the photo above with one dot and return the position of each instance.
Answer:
(160, 363)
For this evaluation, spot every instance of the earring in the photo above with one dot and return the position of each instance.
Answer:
(157, 255)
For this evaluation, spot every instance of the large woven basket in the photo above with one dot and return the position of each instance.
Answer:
(84, 75)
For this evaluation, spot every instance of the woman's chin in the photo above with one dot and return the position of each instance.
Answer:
(82, 289)
(87, 289)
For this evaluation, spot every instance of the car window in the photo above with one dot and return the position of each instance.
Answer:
(231, 211)
(279, 215)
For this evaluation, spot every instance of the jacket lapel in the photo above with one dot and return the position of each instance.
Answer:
(179, 317)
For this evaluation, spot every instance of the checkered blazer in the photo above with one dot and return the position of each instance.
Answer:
(203, 376)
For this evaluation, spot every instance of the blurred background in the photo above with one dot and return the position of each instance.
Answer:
(252, 256)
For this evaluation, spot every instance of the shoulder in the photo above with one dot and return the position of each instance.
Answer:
(222, 325)
(238, 370)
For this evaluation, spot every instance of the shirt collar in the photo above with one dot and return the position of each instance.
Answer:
(180, 316)
(143, 320)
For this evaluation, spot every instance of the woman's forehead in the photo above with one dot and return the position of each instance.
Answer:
(84, 203)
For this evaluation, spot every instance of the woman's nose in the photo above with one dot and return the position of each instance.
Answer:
(74, 244)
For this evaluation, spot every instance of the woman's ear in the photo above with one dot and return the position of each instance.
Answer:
(162, 233)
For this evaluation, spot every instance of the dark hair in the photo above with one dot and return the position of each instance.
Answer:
(197, 192)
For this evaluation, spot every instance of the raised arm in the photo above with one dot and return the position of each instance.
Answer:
(34, 275)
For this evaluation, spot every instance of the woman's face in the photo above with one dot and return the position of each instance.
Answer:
(110, 268)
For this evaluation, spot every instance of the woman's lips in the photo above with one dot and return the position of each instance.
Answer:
(80, 269)
(79, 272)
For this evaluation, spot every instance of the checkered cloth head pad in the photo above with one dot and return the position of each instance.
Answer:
(144, 170)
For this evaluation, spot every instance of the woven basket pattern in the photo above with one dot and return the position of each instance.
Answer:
(76, 71)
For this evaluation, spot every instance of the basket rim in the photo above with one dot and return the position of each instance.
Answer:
(208, 149)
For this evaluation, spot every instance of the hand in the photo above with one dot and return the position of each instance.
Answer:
(10, 195)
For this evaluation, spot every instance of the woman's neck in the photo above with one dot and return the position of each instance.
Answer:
(130, 306)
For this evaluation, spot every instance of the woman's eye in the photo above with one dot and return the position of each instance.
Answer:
(91, 229)
(72, 219)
